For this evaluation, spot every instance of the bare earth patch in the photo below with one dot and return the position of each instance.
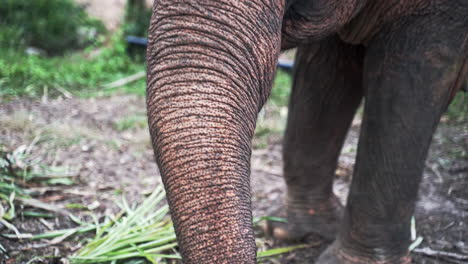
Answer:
(105, 142)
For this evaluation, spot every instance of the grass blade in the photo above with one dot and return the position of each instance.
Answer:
(278, 251)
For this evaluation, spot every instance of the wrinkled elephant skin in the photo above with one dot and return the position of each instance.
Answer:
(210, 70)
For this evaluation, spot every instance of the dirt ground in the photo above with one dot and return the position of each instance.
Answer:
(105, 143)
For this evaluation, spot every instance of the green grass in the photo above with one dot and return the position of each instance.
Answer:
(145, 233)
(281, 89)
(137, 18)
(19, 169)
(82, 74)
(30, 31)
(85, 75)
(458, 109)
(142, 234)
(131, 122)
(272, 119)
(52, 26)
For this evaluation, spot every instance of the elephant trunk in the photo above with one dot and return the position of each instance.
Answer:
(210, 68)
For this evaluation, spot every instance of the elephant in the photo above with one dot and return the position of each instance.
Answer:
(210, 69)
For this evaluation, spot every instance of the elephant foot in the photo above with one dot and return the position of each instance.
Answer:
(307, 223)
(336, 255)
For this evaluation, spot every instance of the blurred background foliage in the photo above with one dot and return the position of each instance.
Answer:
(52, 47)
(54, 26)
(137, 18)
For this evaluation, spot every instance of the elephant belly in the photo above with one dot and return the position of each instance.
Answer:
(377, 13)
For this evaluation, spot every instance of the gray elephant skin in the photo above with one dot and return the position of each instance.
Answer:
(210, 70)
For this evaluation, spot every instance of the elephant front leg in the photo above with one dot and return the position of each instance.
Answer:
(325, 95)
(412, 69)
(210, 68)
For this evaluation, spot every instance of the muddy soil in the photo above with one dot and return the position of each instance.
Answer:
(105, 143)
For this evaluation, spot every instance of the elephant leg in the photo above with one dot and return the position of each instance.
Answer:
(412, 70)
(326, 93)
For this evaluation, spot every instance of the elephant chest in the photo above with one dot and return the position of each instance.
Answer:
(377, 13)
